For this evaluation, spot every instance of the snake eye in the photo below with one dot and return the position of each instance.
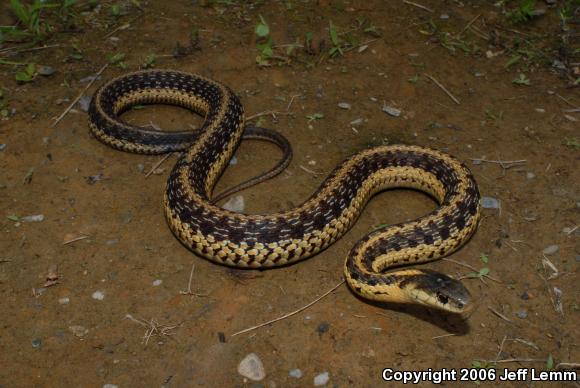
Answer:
(444, 299)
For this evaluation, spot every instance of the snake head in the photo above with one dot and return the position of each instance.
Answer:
(440, 291)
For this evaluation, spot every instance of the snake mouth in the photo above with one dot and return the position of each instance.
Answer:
(440, 291)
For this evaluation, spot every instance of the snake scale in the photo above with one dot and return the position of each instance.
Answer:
(271, 240)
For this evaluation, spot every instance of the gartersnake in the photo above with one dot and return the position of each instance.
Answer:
(258, 241)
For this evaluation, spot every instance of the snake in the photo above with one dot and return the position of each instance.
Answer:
(380, 267)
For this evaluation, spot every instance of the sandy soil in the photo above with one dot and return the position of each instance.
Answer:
(62, 336)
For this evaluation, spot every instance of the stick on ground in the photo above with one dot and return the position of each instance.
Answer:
(289, 314)
(57, 120)
(455, 100)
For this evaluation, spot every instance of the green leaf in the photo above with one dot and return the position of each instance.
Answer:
(262, 29)
(28, 177)
(21, 12)
(14, 218)
(521, 80)
(513, 60)
(414, 79)
(333, 34)
(484, 271)
(315, 116)
(550, 362)
(116, 58)
(484, 258)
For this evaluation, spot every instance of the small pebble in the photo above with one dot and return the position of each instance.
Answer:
(36, 343)
(321, 379)
(64, 301)
(489, 203)
(312, 162)
(98, 295)
(252, 368)
(34, 218)
(110, 386)
(522, 314)
(323, 328)
(296, 373)
(78, 330)
(140, 167)
(344, 105)
(444, 16)
(233, 161)
(2, 147)
(40, 290)
(540, 110)
(84, 103)
(92, 179)
(530, 175)
(45, 70)
(235, 204)
(550, 250)
(373, 99)
(357, 122)
(157, 282)
(89, 79)
(112, 241)
(391, 111)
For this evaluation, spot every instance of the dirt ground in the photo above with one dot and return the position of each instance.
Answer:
(120, 313)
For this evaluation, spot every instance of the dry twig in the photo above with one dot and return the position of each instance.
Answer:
(418, 6)
(455, 100)
(189, 291)
(159, 163)
(289, 314)
(57, 120)
(499, 314)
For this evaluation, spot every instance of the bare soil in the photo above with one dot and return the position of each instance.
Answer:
(528, 311)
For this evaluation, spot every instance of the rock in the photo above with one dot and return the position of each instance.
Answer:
(489, 203)
(235, 204)
(550, 250)
(323, 328)
(357, 122)
(34, 218)
(98, 295)
(84, 103)
(296, 373)
(78, 331)
(530, 175)
(89, 79)
(64, 301)
(391, 111)
(233, 161)
(344, 105)
(110, 386)
(45, 70)
(2, 147)
(252, 368)
(157, 282)
(321, 379)
(522, 314)
(36, 343)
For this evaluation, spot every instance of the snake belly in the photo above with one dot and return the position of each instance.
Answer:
(277, 239)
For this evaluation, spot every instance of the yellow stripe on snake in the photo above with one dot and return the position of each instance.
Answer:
(259, 241)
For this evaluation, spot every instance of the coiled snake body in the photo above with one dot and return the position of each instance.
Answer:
(258, 241)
